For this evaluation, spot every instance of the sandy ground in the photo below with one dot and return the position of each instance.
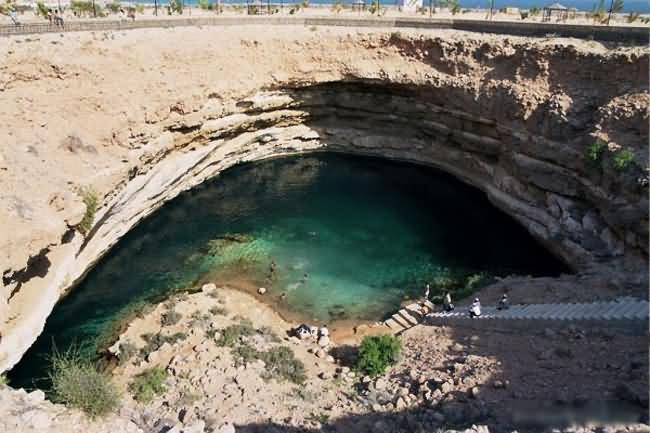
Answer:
(388, 12)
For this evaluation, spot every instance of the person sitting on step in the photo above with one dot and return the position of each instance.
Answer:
(446, 303)
(503, 303)
(475, 309)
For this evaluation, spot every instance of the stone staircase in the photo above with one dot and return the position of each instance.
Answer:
(621, 310)
(409, 316)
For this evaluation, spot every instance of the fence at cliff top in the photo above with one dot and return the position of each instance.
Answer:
(640, 35)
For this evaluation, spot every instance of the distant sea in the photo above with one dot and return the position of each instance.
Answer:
(641, 6)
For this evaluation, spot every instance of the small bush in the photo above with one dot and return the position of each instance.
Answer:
(595, 151)
(89, 198)
(233, 333)
(148, 384)
(211, 333)
(155, 341)
(218, 311)
(282, 363)
(269, 334)
(41, 9)
(139, 8)
(199, 320)
(114, 7)
(170, 318)
(245, 353)
(77, 383)
(126, 351)
(3, 381)
(623, 158)
(376, 353)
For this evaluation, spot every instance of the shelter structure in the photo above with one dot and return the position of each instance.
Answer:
(557, 11)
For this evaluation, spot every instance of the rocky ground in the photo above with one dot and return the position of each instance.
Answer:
(446, 377)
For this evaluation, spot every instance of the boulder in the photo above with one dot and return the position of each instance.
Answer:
(261, 290)
(381, 384)
(210, 287)
(324, 341)
(226, 428)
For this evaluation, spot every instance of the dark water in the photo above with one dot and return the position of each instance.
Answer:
(365, 232)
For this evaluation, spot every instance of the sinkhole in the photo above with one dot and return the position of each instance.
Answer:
(333, 238)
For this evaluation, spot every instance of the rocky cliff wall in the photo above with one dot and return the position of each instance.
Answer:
(516, 120)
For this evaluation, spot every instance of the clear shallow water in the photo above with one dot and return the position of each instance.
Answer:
(365, 232)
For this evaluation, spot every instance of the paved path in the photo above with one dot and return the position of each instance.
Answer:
(624, 309)
(637, 35)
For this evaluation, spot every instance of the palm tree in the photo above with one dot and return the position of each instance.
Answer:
(615, 7)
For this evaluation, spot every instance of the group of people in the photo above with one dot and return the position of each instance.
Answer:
(55, 17)
(474, 309)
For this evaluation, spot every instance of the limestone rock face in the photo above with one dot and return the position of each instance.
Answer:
(38, 415)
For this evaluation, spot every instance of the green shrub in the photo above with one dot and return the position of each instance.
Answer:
(139, 8)
(282, 363)
(3, 381)
(231, 335)
(170, 318)
(41, 10)
(199, 320)
(148, 384)
(86, 8)
(114, 7)
(244, 353)
(77, 383)
(376, 353)
(155, 341)
(595, 151)
(623, 158)
(89, 198)
(175, 6)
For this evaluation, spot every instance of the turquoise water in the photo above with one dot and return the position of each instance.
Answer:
(351, 237)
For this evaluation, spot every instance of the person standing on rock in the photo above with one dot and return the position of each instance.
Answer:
(475, 309)
(446, 303)
(426, 294)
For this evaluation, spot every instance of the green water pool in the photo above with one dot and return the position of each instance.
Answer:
(350, 237)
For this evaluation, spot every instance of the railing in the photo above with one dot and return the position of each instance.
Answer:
(640, 35)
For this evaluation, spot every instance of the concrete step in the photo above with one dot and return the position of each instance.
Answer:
(393, 325)
(401, 321)
(618, 307)
(409, 318)
(416, 311)
(561, 311)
